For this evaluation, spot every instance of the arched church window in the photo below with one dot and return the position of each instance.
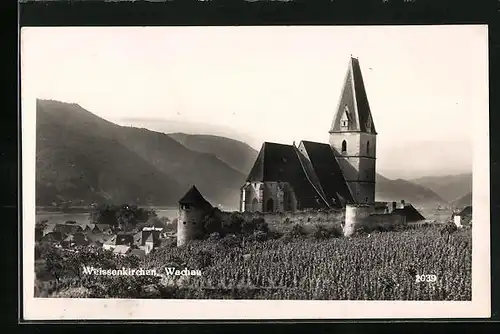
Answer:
(344, 146)
(369, 124)
(368, 148)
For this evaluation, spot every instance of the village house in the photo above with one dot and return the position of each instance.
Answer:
(408, 211)
(102, 228)
(67, 229)
(121, 250)
(148, 239)
(119, 239)
(463, 218)
(75, 240)
(52, 237)
(98, 239)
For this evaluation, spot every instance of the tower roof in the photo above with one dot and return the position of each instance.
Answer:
(193, 197)
(354, 100)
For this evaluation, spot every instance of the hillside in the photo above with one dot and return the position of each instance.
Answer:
(235, 153)
(463, 201)
(399, 189)
(81, 157)
(449, 187)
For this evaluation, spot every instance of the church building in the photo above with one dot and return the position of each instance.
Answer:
(314, 175)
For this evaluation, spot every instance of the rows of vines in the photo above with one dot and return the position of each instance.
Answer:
(381, 266)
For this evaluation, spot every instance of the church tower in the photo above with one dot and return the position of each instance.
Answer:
(353, 136)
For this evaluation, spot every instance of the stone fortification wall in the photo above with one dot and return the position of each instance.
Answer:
(303, 217)
(384, 221)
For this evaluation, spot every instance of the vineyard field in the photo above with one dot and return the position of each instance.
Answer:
(420, 264)
(383, 266)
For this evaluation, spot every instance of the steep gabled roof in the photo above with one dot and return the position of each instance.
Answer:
(411, 214)
(467, 211)
(121, 239)
(281, 163)
(194, 197)
(121, 249)
(354, 97)
(328, 173)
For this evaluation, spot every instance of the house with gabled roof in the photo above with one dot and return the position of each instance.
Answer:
(121, 250)
(74, 240)
(98, 239)
(119, 239)
(102, 228)
(148, 239)
(463, 217)
(68, 228)
(315, 175)
(52, 237)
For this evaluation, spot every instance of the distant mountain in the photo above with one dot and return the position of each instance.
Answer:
(399, 189)
(235, 153)
(183, 126)
(463, 201)
(81, 157)
(449, 187)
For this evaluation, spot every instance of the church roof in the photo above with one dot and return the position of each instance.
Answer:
(312, 170)
(193, 197)
(280, 163)
(328, 172)
(355, 100)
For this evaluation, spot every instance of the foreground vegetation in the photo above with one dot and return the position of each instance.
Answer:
(263, 265)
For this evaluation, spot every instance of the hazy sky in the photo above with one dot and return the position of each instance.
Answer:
(281, 84)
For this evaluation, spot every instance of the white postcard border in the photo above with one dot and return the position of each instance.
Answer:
(135, 309)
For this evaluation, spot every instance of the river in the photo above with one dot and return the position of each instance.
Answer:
(83, 217)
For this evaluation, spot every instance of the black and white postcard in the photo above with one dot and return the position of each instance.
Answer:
(255, 172)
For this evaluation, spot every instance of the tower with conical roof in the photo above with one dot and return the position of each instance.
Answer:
(353, 136)
(193, 208)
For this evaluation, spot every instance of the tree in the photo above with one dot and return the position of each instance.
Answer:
(54, 263)
(233, 224)
(41, 225)
(103, 214)
(126, 216)
(212, 222)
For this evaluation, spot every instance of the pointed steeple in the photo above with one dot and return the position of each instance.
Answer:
(353, 111)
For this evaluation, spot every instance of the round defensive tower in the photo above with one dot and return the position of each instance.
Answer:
(355, 214)
(192, 210)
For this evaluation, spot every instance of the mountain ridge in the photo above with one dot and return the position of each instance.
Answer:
(164, 159)
(449, 187)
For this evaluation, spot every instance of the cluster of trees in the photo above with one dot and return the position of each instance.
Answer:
(124, 216)
(225, 226)
(67, 270)
(225, 223)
